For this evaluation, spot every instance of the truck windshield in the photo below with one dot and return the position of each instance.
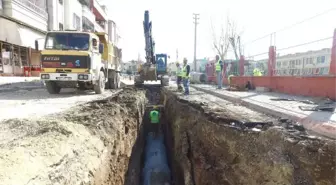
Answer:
(67, 41)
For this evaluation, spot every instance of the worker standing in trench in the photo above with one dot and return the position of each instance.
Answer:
(154, 116)
(186, 76)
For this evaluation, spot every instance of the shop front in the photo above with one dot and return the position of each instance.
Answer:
(16, 46)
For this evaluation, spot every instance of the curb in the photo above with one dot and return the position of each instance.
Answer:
(13, 89)
(318, 127)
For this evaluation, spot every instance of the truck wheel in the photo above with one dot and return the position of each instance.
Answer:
(52, 87)
(99, 87)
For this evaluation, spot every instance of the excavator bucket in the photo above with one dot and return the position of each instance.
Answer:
(149, 73)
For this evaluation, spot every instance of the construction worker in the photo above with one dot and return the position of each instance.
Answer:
(179, 76)
(219, 71)
(257, 72)
(154, 116)
(186, 76)
(229, 79)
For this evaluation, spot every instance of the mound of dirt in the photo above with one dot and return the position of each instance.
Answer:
(210, 148)
(90, 144)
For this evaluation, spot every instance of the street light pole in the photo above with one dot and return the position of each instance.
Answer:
(196, 18)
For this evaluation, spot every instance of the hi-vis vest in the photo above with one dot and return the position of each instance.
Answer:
(256, 72)
(179, 71)
(229, 78)
(184, 72)
(154, 116)
(218, 66)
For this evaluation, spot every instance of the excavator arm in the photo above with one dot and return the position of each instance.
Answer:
(149, 42)
(155, 67)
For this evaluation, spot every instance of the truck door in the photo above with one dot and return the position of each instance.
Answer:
(96, 57)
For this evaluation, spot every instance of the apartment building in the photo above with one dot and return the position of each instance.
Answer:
(81, 15)
(310, 63)
(28, 20)
(21, 23)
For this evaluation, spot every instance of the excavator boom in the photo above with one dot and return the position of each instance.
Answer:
(149, 42)
(155, 67)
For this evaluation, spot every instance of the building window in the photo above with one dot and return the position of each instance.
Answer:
(322, 59)
(76, 22)
(60, 2)
(318, 60)
(60, 26)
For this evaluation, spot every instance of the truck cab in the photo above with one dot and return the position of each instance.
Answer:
(72, 59)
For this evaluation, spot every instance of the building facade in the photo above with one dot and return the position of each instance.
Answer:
(310, 63)
(25, 21)
(29, 20)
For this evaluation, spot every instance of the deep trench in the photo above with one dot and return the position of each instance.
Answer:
(209, 150)
(135, 173)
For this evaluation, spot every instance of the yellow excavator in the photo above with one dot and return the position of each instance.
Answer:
(155, 67)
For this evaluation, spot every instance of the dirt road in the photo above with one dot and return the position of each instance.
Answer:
(37, 102)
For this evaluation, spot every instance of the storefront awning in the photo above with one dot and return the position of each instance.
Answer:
(19, 35)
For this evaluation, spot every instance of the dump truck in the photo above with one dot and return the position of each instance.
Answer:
(83, 60)
(155, 67)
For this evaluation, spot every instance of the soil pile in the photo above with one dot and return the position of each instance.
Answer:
(90, 144)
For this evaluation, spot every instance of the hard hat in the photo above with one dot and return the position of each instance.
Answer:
(177, 62)
(155, 107)
(185, 59)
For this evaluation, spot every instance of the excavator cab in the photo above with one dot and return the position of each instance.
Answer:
(161, 64)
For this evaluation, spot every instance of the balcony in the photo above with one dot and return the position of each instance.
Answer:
(27, 11)
(85, 2)
(88, 14)
(87, 25)
(98, 11)
(98, 28)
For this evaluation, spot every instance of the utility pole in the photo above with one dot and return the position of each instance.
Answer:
(176, 55)
(196, 18)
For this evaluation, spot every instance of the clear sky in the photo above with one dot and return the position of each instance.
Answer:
(173, 26)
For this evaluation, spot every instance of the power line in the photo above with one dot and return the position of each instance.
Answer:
(196, 18)
(298, 45)
(292, 25)
(311, 42)
(257, 55)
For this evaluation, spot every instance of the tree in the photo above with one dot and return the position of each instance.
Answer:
(221, 43)
(234, 39)
(228, 36)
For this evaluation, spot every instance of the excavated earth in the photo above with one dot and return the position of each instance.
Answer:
(101, 143)
(90, 144)
(212, 145)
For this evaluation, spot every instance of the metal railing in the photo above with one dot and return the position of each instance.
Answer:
(32, 4)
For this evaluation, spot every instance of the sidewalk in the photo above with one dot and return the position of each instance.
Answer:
(322, 123)
(16, 79)
(12, 83)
